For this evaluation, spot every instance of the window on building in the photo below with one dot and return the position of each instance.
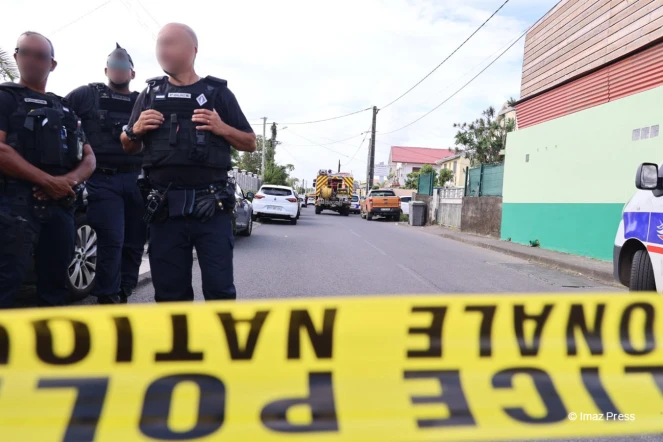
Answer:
(455, 166)
(416, 169)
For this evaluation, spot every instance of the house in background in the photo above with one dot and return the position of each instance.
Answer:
(458, 165)
(404, 160)
(590, 109)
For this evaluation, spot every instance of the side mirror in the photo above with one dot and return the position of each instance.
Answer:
(250, 195)
(647, 177)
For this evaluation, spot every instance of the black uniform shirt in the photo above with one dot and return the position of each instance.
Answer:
(228, 109)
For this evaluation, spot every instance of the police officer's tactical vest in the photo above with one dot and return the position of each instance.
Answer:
(177, 142)
(49, 136)
(111, 113)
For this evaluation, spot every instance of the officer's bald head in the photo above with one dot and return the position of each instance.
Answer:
(177, 46)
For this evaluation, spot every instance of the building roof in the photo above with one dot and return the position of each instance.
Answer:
(420, 155)
(450, 157)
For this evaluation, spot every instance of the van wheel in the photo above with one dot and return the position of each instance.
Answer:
(642, 273)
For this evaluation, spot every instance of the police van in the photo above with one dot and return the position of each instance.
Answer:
(638, 252)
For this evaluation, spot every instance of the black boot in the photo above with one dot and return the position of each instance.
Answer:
(124, 294)
(109, 299)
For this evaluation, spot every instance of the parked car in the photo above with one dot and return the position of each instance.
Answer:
(276, 202)
(355, 205)
(381, 202)
(243, 213)
(638, 249)
(311, 200)
(302, 201)
(405, 204)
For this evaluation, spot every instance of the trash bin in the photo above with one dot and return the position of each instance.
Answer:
(418, 213)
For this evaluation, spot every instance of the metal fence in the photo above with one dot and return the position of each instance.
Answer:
(485, 180)
(425, 183)
(451, 192)
(248, 181)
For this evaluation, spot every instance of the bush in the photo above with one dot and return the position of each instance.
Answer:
(404, 218)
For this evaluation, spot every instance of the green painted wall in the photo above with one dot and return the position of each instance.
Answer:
(566, 180)
(581, 229)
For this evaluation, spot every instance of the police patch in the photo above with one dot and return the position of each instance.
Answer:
(179, 95)
(201, 99)
(35, 100)
(120, 97)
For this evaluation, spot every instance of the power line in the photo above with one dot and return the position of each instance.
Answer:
(317, 144)
(448, 57)
(80, 18)
(359, 148)
(137, 17)
(462, 87)
(148, 13)
(327, 144)
(330, 119)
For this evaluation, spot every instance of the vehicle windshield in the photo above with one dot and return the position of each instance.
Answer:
(355, 199)
(275, 191)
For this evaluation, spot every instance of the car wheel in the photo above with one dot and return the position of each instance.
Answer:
(369, 216)
(298, 213)
(83, 268)
(254, 217)
(642, 273)
(249, 228)
(293, 221)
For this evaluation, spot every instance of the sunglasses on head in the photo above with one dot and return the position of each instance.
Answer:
(25, 52)
(119, 64)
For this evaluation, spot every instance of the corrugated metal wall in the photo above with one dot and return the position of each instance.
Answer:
(635, 74)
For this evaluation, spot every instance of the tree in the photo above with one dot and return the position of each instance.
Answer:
(375, 186)
(8, 69)
(252, 161)
(483, 139)
(411, 181)
(446, 175)
(511, 102)
(275, 174)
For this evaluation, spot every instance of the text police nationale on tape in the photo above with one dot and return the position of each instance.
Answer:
(364, 369)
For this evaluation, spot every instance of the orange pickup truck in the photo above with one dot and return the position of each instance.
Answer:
(381, 202)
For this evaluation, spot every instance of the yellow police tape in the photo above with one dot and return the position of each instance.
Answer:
(365, 369)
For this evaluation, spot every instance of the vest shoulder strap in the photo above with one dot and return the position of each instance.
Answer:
(215, 82)
(12, 88)
(98, 86)
(154, 81)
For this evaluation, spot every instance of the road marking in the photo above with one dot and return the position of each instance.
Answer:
(355, 233)
(376, 248)
(418, 277)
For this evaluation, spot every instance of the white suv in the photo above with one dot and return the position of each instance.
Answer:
(276, 202)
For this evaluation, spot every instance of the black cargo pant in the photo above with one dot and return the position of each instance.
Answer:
(51, 240)
(171, 257)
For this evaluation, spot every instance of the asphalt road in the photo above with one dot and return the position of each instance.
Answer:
(330, 255)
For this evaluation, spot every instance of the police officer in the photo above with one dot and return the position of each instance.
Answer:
(187, 125)
(115, 205)
(43, 159)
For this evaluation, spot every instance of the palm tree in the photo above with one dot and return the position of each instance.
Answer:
(8, 70)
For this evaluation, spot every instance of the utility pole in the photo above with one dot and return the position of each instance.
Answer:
(339, 166)
(371, 152)
(264, 147)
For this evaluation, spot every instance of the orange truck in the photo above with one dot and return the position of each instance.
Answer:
(381, 202)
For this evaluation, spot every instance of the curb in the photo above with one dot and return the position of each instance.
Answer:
(144, 279)
(602, 276)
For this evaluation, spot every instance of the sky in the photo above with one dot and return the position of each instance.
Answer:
(295, 61)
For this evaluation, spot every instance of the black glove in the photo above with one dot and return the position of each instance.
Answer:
(206, 206)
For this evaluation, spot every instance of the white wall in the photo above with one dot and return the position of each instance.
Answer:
(406, 168)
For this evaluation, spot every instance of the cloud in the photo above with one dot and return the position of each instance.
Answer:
(301, 60)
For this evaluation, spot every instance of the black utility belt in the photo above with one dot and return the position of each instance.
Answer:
(114, 170)
(199, 203)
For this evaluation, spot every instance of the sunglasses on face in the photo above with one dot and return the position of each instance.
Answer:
(119, 65)
(25, 52)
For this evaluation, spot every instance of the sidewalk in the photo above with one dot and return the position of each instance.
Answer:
(144, 274)
(592, 268)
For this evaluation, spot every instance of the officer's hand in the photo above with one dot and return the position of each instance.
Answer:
(148, 121)
(209, 120)
(58, 187)
(39, 194)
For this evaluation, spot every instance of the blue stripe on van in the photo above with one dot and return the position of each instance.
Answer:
(636, 225)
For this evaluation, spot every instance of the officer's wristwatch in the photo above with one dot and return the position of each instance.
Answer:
(130, 133)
